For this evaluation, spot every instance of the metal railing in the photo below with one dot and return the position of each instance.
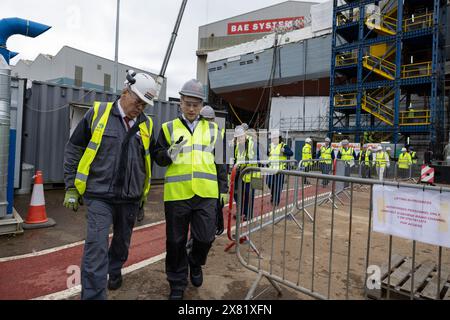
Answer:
(345, 100)
(422, 21)
(416, 70)
(336, 254)
(318, 123)
(415, 118)
(346, 59)
(377, 63)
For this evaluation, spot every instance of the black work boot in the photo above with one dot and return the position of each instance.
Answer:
(115, 283)
(176, 294)
(196, 274)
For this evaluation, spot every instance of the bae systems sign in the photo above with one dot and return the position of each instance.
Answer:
(265, 26)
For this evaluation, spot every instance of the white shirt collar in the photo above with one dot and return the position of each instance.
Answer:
(189, 122)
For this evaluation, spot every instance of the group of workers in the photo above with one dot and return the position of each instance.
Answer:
(367, 158)
(108, 165)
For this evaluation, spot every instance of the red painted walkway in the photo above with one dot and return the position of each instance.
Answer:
(37, 276)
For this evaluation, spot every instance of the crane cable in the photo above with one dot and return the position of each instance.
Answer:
(232, 109)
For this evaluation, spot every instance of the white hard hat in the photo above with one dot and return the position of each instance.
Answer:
(143, 85)
(380, 148)
(193, 88)
(239, 131)
(245, 126)
(388, 149)
(208, 112)
(308, 140)
(327, 140)
(404, 150)
(345, 142)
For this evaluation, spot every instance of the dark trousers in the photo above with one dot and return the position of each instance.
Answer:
(326, 169)
(98, 261)
(365, 171)
(248, 196)
(275, 183)
(200, 215)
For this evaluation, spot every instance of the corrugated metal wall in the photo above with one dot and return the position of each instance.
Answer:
(46, 126)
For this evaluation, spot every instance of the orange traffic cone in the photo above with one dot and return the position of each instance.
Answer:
(37, 215)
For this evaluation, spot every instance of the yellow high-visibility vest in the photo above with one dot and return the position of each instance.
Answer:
(404, 161)
(194, 171)
(276, 155)
(307, 155)
(102, 112)
(325, 154)
(247, 154)
(347, 155)
(381, 159)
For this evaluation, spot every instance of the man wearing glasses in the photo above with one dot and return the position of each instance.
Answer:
(108, 162)
(194, 183)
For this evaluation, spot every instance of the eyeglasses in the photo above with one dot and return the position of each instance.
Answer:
(138, 101)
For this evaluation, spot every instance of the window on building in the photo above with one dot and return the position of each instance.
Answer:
(99, 67)
(78, 76)
(107, 82)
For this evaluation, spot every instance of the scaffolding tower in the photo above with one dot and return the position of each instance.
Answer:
(388, 70)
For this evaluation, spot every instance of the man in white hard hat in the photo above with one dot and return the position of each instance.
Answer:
(108, 161)
(365, 159)
(326, 154)
(278, 151)
(404, 164)
(307, 157)
(382, 162)
(194, 182)
(244, 151)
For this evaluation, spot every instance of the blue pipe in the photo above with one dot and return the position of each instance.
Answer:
(8, 28)
(12, 26)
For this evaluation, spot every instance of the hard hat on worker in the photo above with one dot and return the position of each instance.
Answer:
(208, 113)
(193, 88)
(239, 132)
(309, 141)
(345, 142)
(245, 126)
(404, 150)
(327, 140)
(143, 85)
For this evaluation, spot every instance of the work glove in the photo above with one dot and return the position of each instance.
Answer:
(176, 148)
(72, 199)
(224, 198)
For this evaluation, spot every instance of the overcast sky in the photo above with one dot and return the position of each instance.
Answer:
(146, 27)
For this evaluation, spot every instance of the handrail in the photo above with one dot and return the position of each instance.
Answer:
(379, 106)
(411, 117)
(346, 59)
(378, 63)
(416, 70)
(345, 100)
(426, 20)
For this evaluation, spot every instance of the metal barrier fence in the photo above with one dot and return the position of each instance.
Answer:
(257, 187)
(334, 253)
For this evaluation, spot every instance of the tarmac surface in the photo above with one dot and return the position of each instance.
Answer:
(48, 273)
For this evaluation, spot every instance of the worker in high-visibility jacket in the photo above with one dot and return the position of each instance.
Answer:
(347, 155)
(209, 114)
(382, 162)
(108, 161)
(326, 154)
(245, 151)
(404, 164)
(278, 151)
(413, 154)
(307, 158)
(365, 161)
(194, 182)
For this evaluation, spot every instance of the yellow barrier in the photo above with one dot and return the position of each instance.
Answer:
(416, 70)
(346, 59)
(415, 118)
(418, 22)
